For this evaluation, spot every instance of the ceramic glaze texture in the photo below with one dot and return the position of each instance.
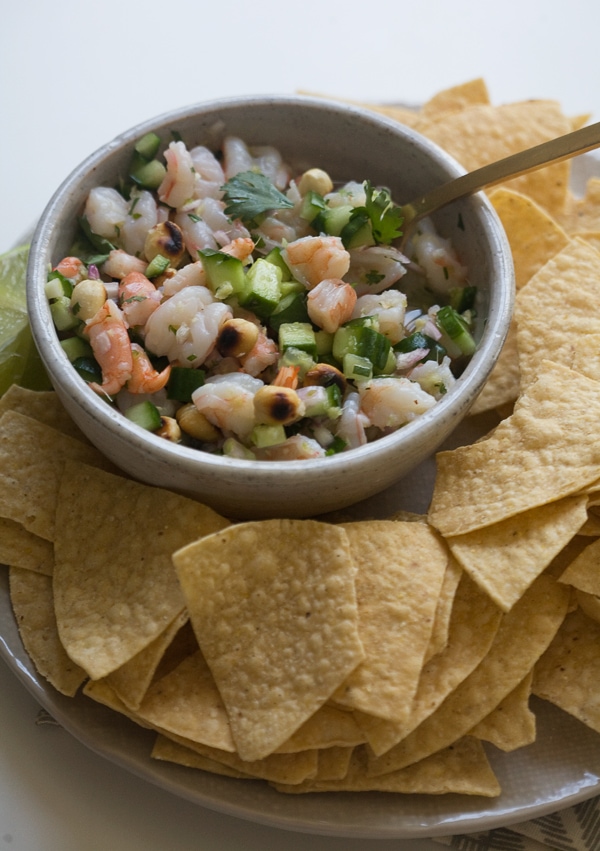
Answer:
(350, 144)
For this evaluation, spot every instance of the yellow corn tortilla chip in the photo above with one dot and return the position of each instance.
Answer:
(329, 727)
(463, 769)
(273, 606)
(588, 603)
(169, 751)
(506, 557)
(473, 625)
(32, 457)
(511, 724)
(583, 215)
(333, 763)
(547, 449)
(400, 570)
(523, 635)
(443, 610)
(33, 606)
(481, 134)
(43, 406)
(533, 235)
(567, 287)
(583, 572)
(132, 680)
(567, 674)
(115, 597)
(455, 98)
(21, 548)
(187, 702)
(503, 385)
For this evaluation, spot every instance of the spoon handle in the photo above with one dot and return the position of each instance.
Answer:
(556, 150)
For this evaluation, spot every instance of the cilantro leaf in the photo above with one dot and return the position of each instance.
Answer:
(249, 194)
(386, 217)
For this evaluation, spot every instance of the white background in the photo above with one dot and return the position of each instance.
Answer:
(73, 75)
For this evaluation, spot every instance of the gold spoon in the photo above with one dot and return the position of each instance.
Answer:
(556, 150)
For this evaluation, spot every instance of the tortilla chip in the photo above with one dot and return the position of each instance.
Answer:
(401, 568)
(443, 612)
(33, 606)
(463, 769)
(186, 702)
(273, 606)
(533, 235)
(330, 727)
(583, 572)
(482, 133)
(32, 457)
(567, 286)
(21, 548)
(333, 763)
(473, 626)
(588, 603)
(584, 213)
(455, 98)
(169, 751)
(511, 724)
(567, 674)
(504, 383)
(43, 406)
(116, 597)
(546, 450)
(523, 635)
(506, 557)
(132, 680)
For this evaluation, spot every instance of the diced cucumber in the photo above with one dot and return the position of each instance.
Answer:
(57, 286)
(358, 231)
(463, 298)
(454, 330)
(322, 401)
(298, 335)
(88, 368)
(361, 340)
(75, 347)
(144, 414)
(62, 315)
(324, 342)
(357, 368)
(262, 293)
(147, 174)
(291, 308)
(182, 383)
(313, 205)
(223, 269)
(147, 147)
(157, 266)
(333, 220)
(274, 257)
(418, 340)
(268, 435)
(297, 357)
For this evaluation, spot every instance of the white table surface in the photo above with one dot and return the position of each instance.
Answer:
(73, 75)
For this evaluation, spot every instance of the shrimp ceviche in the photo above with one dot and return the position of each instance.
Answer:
(226, 302)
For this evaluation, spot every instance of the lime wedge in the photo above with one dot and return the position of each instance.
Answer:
(19, 359)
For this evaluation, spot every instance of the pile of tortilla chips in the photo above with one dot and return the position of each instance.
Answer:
(335, 655)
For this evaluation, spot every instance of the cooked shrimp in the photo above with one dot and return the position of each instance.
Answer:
(240, 248)
(352, 422)
(434, 378)
(295, 448)
(72, 268)
(190, 275)
(107, 333)
(185, 327)
(312, 259)
(106, 210)
(390, 309)
(263, 354)
(141, 217)
(375, 268)
(391, 402)
(138, 298)
(119, 264)
(238, 157)
(287, 376)
(227, 401)
(210, 175)
(144, 378)
(197, 235)
(438, 259)
(330, 304)
(179, 182)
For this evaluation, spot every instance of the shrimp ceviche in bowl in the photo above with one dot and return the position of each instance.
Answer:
(228, 302)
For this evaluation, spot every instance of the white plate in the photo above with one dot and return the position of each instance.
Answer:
(560, 769)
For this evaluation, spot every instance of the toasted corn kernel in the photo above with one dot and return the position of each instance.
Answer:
(87, 298)
(315, 180)
(277, 405)
(165, 238)
(169, 429)
(195, 424)
(325, 375)
(236, 338)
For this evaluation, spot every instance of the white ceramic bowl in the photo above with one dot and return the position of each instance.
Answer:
(349, 143)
